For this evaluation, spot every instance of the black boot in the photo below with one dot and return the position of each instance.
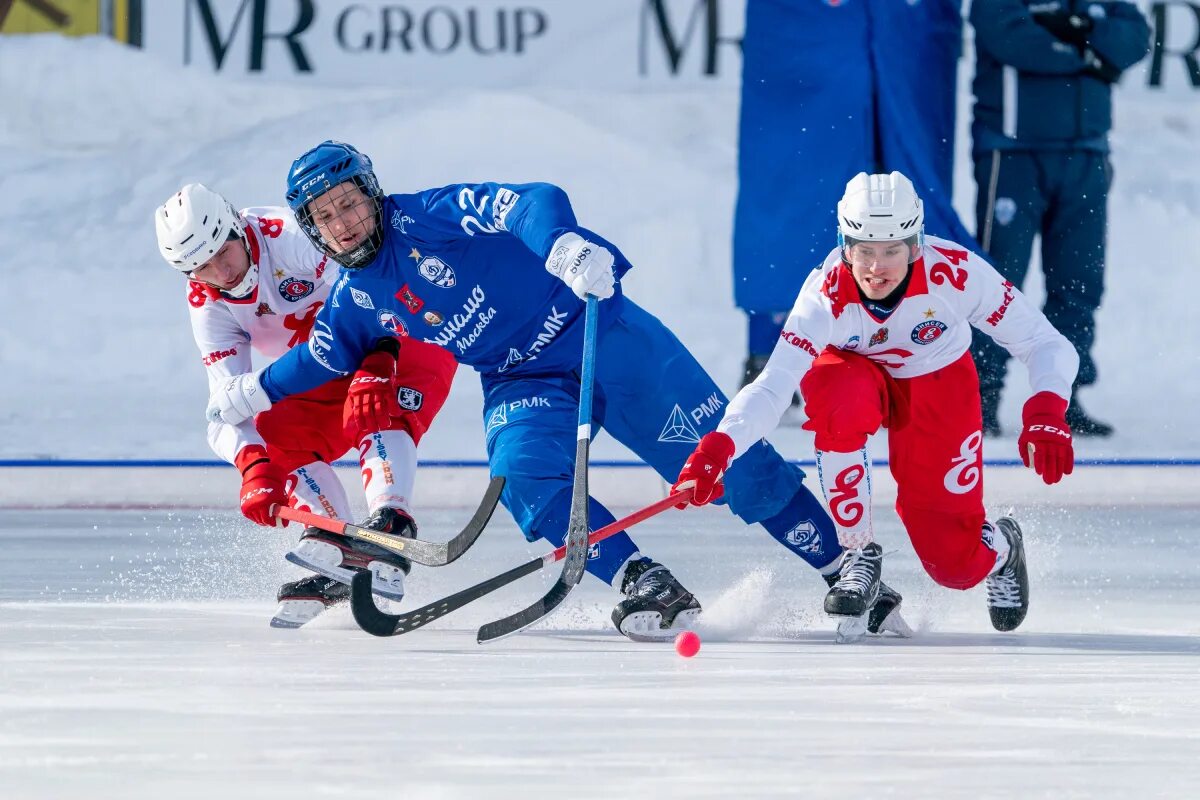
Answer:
(1008, 587)
(302, 601)
(656, 606)
(1083, 425)
(857, 585)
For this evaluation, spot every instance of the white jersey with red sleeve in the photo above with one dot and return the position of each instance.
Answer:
(294, 279)
(950, 290)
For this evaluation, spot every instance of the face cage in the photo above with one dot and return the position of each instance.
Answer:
(846, 242)
(365, 253)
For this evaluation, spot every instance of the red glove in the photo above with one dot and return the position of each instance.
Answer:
(371, 399)
(705, 467)
(262, 486)
(1046, 439)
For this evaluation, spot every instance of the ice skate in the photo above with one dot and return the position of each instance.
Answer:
(1008, 588)
(302, 601)
(339, 557)
(854, 590)
(656, 606)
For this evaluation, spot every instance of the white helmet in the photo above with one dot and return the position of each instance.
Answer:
(193, 225)
(880, 208)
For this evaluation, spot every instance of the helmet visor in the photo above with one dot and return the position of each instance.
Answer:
(896, 252)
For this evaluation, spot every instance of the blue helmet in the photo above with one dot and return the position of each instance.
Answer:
(319, 170)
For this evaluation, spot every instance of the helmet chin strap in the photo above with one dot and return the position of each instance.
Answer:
(246, 284)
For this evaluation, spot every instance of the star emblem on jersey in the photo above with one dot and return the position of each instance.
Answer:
(436, 271)
(279, 274)
(415, 255)
(678, 429)
(390, 321)
(929, 312)
(362, 299)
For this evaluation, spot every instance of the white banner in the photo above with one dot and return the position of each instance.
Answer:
(444, 43)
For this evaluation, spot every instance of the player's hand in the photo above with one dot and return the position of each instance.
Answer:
(704, 469)
(1045, 441)
(371, 399)
(237, 399)
(584, 266)
(262, 487)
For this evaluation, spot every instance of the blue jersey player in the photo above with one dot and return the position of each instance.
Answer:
(495, 273)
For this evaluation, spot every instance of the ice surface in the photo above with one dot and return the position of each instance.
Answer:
(136, 661)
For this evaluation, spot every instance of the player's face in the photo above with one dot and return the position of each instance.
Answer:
(879, 267)
(344, 216)
(227, 267)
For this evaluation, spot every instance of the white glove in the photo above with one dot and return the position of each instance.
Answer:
(584, 266)
(238, 399)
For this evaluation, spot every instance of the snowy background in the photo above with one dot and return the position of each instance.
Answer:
(97, 352)
(135, 657)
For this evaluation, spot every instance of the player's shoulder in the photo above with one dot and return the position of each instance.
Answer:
(271, 222)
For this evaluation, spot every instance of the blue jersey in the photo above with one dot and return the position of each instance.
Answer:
(463, 267)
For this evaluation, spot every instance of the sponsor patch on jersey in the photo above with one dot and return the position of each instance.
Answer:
(410, 398)
(400, 221)
(407, 296)
(928, 332)
(678, 429)
(320, 342)
(217, 355)
(504, 202)
(362, 299)
(879, 337)
(293, 289)
(433, 318)
(263, 310)
(436, 271)
(853, 343)
(390, 321)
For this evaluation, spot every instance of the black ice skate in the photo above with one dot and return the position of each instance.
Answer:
(857, 585)
(656, 606)
(302, 601)
(339, 557)
(1008, 588)
(883, 616)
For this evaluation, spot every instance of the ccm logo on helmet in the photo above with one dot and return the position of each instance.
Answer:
(217, 355)
(304, 186)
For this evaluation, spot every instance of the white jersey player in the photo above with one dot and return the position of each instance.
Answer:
(256, 282)
(879, 337)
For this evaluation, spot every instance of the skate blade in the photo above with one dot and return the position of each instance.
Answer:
(380, 586)
(646, 626)
(296, 613)
(850, 629)
(895, 624)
